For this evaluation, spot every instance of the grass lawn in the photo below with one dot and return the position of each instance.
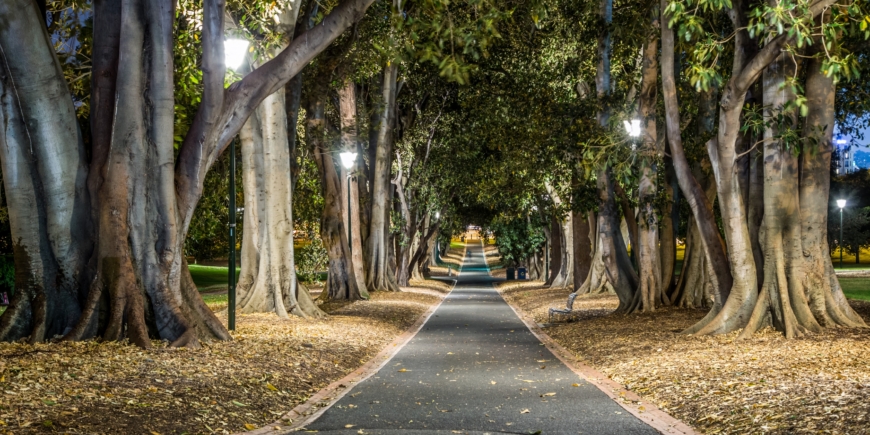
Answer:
(856, 288)
(206, 277)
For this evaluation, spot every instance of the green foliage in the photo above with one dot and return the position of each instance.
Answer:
(7, 274)
(311, 257)
(517, 239)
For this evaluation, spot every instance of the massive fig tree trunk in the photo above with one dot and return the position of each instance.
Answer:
(611, 267)
(268, 282)
(748, 65)
(379, 276)
(702, 210)
(564, 276)
(341, 281)
(142, 196)
(581, 231)
(791, 229)
(44, 174)
(351, 196)
(649, 292)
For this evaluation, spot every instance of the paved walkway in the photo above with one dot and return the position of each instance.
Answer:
(475, 368)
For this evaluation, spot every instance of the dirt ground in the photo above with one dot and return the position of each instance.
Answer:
(767, 384)
(271, 366)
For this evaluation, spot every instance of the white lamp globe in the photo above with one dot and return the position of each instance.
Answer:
(348, 159)
(234, 52)
(841, 203)
(632, 128)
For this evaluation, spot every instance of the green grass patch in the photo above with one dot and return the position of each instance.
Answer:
(856, 288)
(206, 277)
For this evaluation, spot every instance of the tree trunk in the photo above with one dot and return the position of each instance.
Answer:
(611, 268)
(379, 276)
(800, 292)
(564, 275)
(695, 286)
(44, 174)
(350, 141)
(141, 196)
(582, 247)
(555, 237)
(341, 281)
(649, 292)
(267, 282)
(714, 246)
(668, 238)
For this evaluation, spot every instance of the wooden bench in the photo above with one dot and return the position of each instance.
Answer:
(569, 308)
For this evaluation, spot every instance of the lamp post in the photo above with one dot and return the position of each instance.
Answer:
(234, 55)
(842, 204)
(633, 130)
(347, 160)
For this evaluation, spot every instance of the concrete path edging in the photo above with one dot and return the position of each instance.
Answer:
(630, 401)
(300, 416)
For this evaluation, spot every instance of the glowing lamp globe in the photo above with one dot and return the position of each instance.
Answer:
(234, 52)
(348, 159)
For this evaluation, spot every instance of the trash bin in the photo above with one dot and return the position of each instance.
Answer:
(510, 273)
(521, 273)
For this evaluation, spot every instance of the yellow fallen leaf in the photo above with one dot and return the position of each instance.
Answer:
(548, 394)
(575, 385)
(271, 387)
(492, 382)
(250, 426)
(525, 411)
(449, 353)
(348, 426)
(403, 370)
(153, 432)
(526, 380)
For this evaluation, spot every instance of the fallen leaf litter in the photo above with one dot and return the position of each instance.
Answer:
(717, 384)
(271, 366)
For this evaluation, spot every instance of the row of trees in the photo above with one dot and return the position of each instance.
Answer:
(737, 101)
(506, 115)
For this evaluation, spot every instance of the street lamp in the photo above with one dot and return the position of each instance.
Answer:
(842, 204)
(234, 55)
(347, 160)
(633, 130)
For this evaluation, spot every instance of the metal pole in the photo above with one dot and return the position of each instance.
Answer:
(349, 232)
(841, 237)
(231, 275)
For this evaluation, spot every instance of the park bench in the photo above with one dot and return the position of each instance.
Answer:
(569, 308)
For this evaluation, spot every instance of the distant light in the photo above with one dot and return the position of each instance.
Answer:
(348, 159)
(841, 141)
(632, 128)
(234, 52)
(841, 203)
(437, 215)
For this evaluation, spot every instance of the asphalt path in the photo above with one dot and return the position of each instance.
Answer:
(475, 368)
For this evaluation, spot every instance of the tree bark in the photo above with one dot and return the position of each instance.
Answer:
(649, 293)
(611, 268)
(800, 292)
(44, 174)
(714, 246)
(379, 276)
(341, 282)
(145, 196)
(267, 282)
(351, 196)
(582, 247)
(564, 275)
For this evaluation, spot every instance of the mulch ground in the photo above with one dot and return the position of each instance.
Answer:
(271, 366)
(766, 384)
